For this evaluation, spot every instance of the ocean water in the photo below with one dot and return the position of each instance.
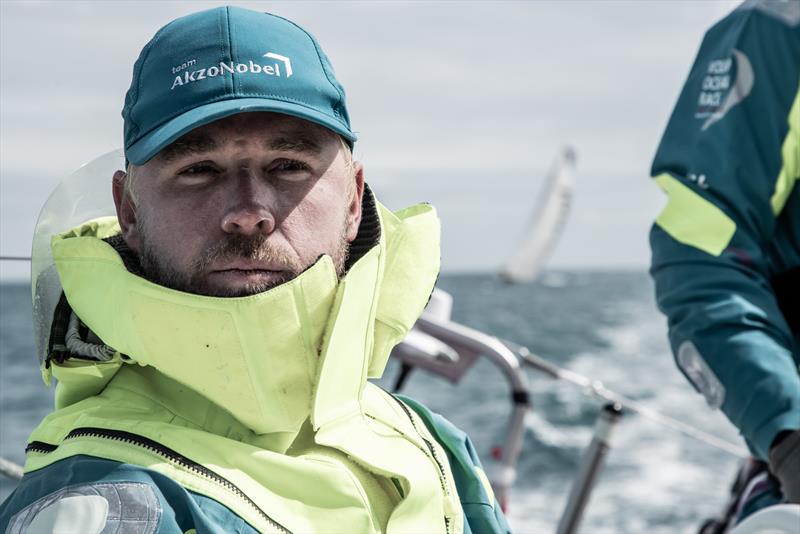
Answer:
(603, 325)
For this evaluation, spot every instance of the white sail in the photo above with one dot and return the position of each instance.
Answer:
(548, 220)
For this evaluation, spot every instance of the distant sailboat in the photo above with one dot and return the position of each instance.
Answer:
(547, 222)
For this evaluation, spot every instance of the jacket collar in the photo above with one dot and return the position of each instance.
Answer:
(303, 349)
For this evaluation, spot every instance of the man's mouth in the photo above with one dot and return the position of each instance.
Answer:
(249, 277)
(249, 272)
(245, 270)
(242, 264)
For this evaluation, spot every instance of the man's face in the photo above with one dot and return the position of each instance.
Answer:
(241, 205)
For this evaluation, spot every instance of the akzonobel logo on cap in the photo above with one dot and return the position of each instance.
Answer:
(190, 75)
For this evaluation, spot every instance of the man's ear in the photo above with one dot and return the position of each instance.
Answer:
(126, 210)
(354, 209)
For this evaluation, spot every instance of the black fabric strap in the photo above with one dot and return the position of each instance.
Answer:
(129, 257)
(57, 344)
(369, 231)
(787, 292)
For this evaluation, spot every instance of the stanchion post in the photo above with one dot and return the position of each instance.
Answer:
(591, 466)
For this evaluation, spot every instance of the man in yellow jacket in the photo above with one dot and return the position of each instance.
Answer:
(213, 341)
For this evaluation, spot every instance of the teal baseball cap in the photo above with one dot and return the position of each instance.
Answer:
(223, 61)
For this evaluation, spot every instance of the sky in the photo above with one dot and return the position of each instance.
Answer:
(461, 104)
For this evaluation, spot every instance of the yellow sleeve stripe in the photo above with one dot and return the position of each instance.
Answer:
(486, 484)
(692, 220)
(790, 171)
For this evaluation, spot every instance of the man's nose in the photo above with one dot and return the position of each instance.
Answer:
(249, 213)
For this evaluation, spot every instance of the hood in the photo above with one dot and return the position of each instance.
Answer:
(302, 349)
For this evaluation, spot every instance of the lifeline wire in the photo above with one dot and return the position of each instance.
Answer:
(596, 389)
(10, 469)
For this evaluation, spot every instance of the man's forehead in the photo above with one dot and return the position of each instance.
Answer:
(274, 131)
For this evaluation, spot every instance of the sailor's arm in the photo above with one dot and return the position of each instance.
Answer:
(729, 338)
(728, 161)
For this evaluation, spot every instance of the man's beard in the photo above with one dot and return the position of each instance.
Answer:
(237, 246)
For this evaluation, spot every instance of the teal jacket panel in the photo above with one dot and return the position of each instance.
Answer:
(482, 513)
(139, 500)
(724, 147)
(180, 510)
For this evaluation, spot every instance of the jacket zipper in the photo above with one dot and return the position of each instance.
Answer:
(40, 447)
(432, 449)
(165, 452)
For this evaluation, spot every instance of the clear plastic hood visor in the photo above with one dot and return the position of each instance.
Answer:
(83, 195)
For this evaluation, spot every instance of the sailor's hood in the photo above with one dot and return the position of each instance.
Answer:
(302, 349)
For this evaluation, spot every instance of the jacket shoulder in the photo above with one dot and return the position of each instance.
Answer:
(89, 493)
(94, 495)
(786, 12)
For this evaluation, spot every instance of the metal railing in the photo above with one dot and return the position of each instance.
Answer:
(469, 345)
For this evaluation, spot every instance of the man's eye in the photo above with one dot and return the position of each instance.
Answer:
(289, 169)
(198, 173)
(201, 168)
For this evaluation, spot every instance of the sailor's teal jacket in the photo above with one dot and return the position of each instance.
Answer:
(726, 248)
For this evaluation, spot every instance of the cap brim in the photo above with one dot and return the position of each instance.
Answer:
(153, 142)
